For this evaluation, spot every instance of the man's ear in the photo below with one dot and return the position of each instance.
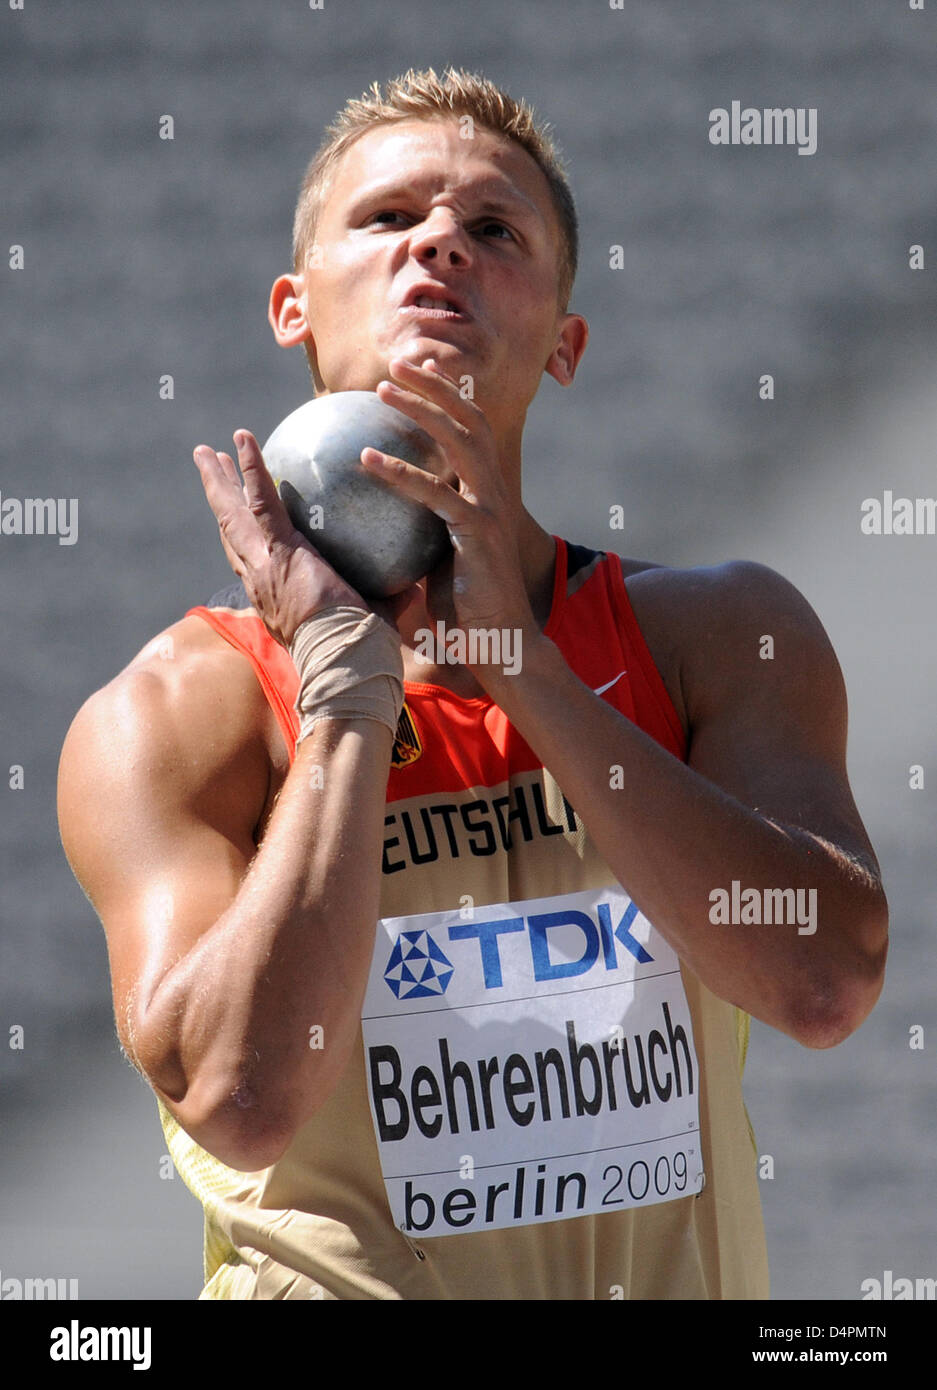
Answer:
(286, 312)
(573, 335)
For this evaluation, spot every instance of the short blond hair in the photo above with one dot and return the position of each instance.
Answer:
(424, 96)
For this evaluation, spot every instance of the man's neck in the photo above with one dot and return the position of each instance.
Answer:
(538, 562)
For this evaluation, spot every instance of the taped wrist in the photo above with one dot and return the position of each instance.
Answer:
(350, 667)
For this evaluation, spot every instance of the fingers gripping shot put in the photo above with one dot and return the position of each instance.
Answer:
(424, 953)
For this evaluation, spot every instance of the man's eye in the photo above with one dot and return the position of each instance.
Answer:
(386, 214)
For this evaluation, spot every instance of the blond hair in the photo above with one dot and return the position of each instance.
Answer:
(424, 96)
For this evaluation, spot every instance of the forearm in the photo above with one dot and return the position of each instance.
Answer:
(672, 837)
(234, 1018)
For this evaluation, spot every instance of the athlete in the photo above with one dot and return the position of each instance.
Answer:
(525, 1080)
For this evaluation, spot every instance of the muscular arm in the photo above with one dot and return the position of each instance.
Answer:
(223, 958)
(763, 799)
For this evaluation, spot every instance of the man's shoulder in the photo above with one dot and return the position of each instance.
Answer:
(180, 739)
(728, 583)
(710, 628)
(186, 691)
(188, 664)
(726, 596)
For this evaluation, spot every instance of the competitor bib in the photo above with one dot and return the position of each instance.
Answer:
(529, 1062)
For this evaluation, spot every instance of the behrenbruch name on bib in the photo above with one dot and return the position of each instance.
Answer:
(579, 1079)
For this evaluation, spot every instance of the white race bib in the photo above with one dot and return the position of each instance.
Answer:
(529, 1062)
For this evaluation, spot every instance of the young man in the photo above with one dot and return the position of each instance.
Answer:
(526, 1082)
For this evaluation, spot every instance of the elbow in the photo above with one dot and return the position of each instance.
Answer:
(238, 1127)
(247, 1148)
(226, 1115)
(229, 1111)
(838, 999)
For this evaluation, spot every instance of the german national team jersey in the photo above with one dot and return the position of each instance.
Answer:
(544, 1102)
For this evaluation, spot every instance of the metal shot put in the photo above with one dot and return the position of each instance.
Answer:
(378, 540)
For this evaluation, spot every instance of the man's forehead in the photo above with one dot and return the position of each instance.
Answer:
(431, 155)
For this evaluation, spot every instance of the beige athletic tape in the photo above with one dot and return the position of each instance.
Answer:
(350, 667)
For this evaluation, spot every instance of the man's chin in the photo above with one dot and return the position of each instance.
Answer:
(427, 345)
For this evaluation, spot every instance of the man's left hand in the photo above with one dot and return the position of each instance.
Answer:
(483, 584)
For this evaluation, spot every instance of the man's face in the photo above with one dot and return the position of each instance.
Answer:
(414, 205)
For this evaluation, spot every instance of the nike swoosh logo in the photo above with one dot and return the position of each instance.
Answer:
(602, 688)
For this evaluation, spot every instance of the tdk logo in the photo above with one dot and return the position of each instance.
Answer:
(595, 937)
(418, 968)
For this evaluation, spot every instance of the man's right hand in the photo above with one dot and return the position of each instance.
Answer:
(285, 577)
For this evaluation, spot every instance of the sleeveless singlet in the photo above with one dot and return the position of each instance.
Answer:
(530, 1048)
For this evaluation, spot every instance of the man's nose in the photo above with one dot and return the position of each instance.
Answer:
(441, 234)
